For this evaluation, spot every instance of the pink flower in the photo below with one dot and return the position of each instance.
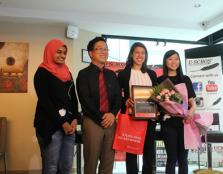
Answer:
(165, 90)
(162, 92)
(172, 92)
(158, 97)
(167, 98)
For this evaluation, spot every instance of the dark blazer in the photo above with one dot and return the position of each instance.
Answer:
(88, 92)
(124, 77)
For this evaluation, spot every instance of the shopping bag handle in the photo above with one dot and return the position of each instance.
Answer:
(127, 110)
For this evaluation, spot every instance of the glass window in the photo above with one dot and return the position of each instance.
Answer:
(119, 49)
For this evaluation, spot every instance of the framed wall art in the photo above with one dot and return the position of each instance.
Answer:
(85, 57)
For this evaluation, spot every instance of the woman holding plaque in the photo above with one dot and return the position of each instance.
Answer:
(137, 73)
(173, 127)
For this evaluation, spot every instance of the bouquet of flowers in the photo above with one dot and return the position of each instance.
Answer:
(169, 98)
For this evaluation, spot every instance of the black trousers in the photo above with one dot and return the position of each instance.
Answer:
(173, 136)
(148, 153)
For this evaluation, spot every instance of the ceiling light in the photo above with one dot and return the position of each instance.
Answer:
(197, 5)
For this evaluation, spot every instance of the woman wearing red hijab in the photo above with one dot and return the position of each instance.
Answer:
(56, 111)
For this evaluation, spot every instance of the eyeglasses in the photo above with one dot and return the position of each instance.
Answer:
(101, 49)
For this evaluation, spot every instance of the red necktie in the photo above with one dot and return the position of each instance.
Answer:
(103, 94)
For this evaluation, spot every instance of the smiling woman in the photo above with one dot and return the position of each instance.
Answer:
(60, 56)
(56, 111)
(137, 73)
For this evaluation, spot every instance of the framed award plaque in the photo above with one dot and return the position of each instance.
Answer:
(144, 106)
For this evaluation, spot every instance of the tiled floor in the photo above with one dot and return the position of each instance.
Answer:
(119, 168)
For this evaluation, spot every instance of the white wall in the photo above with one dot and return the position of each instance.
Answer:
(19, 108)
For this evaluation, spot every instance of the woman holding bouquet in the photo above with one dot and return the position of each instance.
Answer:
(137, 73)
(173, 126)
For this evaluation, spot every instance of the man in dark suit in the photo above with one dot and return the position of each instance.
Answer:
(100, 98)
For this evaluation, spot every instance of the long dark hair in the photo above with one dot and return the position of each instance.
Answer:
(165, 68)
(129, 62)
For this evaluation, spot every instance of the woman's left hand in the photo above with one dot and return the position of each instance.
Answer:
(191, 111)
(189, 116)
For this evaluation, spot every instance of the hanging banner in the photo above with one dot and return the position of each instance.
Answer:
(206, 76)
(157, 68)
(115, 66)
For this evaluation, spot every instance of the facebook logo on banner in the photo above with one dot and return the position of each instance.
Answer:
(197, 86)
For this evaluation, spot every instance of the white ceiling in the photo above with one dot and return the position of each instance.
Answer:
(169, 19)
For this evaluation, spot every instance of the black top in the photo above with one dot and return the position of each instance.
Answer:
(177, 121)
(53, 95)
(124, 77)
(88, 92)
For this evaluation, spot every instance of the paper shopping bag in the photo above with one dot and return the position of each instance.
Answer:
(130, 134)
(120, 156)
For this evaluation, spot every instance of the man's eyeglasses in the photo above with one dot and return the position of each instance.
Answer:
(101, 49)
